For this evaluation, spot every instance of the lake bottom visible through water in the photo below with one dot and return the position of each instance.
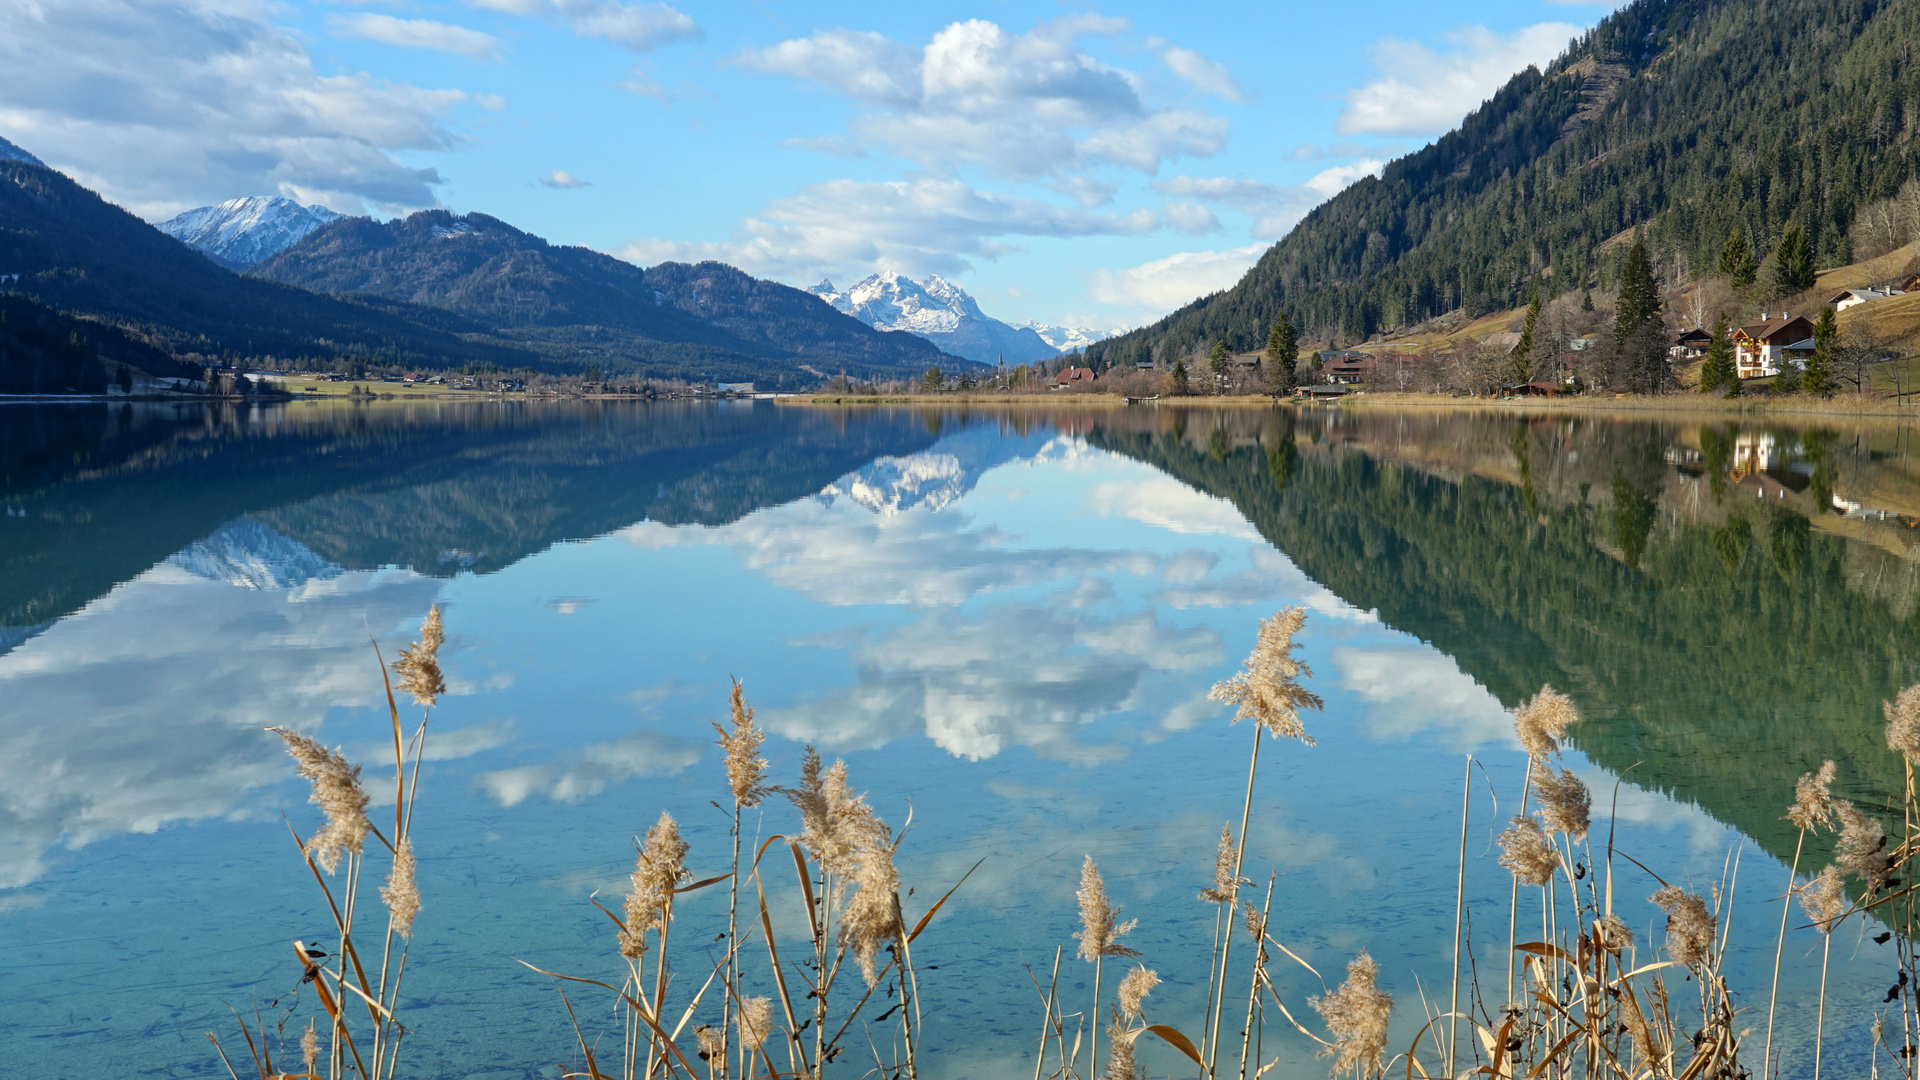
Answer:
(1005, 623)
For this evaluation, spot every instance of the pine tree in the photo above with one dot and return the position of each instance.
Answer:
(1736, 260)
(1793, 261)
(1217, 361)
(1177, 379)
(1523, 351)
(1283, 346)
(1718, 371)
(1818, 376)
(1586, 300)
(1639, 297)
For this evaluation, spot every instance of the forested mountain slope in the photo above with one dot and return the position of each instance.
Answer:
(77, 252)
(574, 301)
(1689, 118)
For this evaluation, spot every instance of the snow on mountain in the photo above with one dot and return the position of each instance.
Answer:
(936, 477)
(1070, 338)
(248, 555)
(10, 152)
(941, 312)
(241, 232)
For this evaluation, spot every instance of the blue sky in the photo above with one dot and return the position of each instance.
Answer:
(1078, 164)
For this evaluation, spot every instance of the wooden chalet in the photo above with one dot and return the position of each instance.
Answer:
(1847, 298)
(1690, 344)
(1772, 345)
(1347, 367)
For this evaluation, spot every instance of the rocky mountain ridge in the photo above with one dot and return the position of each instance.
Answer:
(241, 232)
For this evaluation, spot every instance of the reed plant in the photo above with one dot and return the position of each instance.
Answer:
(1582, 998)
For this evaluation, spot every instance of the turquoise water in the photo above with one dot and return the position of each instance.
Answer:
(1005, 622)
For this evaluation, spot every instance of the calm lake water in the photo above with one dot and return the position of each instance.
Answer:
(1005, 621)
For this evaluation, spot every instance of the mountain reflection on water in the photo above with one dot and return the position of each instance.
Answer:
(1033, 594)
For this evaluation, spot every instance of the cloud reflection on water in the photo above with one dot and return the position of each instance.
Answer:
(111, 725)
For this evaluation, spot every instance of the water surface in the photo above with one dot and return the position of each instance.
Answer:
(1005, 621)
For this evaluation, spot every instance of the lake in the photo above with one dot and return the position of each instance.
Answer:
(1005, 621)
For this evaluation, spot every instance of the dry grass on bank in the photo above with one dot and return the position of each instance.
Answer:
(1581, 996)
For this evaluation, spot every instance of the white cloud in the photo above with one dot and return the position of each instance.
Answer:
(150, 745)
(162, 106)
(560, 178)
(1165, 284)
(1276, 208)
(919, 226)
(1204, 75)
(1025, 105)
(1421, 91)
(1191, 218)
(417, 34)
(599, 766)
(631, 26)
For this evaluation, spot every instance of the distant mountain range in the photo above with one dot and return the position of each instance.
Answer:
(943, 313)
(429, 291)
(698, 320)
(241, 232)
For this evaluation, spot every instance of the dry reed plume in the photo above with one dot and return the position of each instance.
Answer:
(1690, 925)
(660, 867)
(756, 1022)
(1812, 799)
(1356, 1015)
(1542, 722)
(338, 794)
(1268, 690)
(1526, 850)
(1565, 804)
(1903, 723)
(1862, 850)
(746, 769)
(1133, 991)
(1226, 858)
(1824, 900)
(400, 893)
(1100, 931)
(419, 664)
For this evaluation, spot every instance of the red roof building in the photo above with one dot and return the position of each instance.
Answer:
(1772, 344)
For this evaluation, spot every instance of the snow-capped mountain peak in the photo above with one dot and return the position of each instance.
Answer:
(1070, 338)
(242, 232)
(941, 312)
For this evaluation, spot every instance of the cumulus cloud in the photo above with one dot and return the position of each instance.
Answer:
(925, 225)
(1191, 218)
(1275, 208)
(1164, 284)
(598, 767)
(560, 178)
(1024, 105)
(638, 27)
(417, 34)
(1424, 91)
(1204, 75)
(1016, 675)
(211, 101)
(144, 742)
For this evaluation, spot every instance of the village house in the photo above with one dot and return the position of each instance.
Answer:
(1074, 376)
(1774, 344)
(1344, 367)
(1847, 298)
(1690, 344)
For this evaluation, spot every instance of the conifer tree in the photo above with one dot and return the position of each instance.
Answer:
(1283, 345)
(1639, 296)
(1718, 371)
(1523, 351)
(1818, 376)
(1793, 261)
(1736, 260)
(1177, 379)
(1217, 365)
